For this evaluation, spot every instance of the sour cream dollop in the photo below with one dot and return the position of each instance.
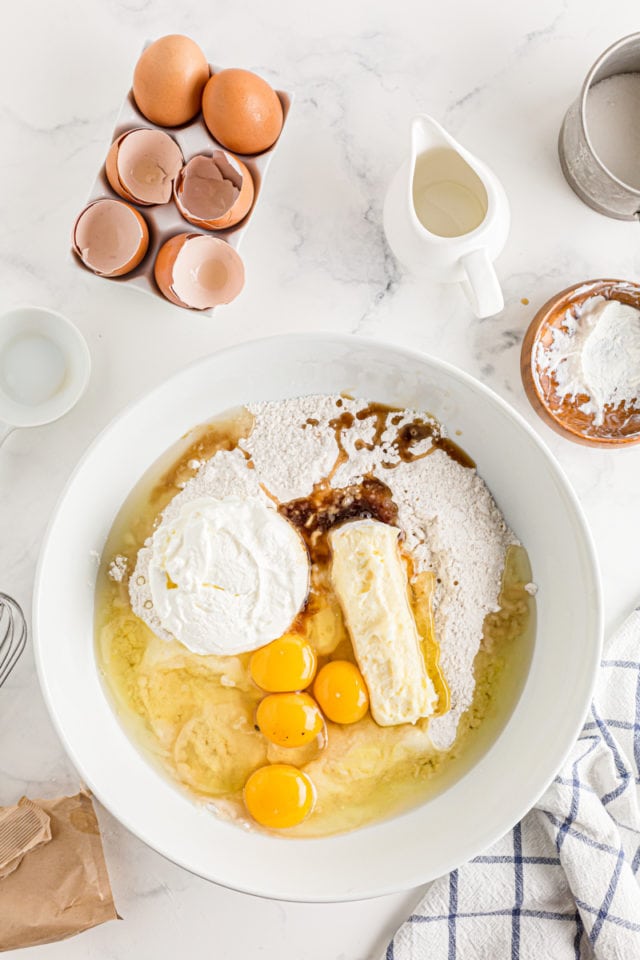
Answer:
(227, 576)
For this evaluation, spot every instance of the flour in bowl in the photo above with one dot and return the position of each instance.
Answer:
(449, 522)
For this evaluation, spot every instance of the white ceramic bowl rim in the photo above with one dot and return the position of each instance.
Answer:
(456, 824)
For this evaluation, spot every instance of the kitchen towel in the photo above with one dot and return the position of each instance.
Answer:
(563, 885)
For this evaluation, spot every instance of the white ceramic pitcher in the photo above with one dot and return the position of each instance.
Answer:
(446, 216)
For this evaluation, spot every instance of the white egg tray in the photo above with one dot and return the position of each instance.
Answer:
(164, 220)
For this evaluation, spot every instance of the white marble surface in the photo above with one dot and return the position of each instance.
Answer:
(499, 75)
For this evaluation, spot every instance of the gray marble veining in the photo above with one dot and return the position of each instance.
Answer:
(500, 76)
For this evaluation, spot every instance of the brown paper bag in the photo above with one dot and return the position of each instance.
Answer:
(22, 828)
(60, 886)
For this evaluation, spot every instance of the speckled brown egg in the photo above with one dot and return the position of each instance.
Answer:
(242, 111)
(169, 79)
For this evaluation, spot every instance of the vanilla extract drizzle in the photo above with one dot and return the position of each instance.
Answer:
(370, 499)
(326, 507)
(402, 447)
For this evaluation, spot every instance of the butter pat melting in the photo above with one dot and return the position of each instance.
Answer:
(370, 580)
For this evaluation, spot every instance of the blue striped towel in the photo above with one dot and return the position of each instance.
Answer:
(564, 882)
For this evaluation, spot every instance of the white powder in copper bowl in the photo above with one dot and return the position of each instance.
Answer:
(595, 354)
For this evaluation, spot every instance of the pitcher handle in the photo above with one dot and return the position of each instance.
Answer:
(481, 284)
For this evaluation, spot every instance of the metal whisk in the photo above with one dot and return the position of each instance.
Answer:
(13, 635)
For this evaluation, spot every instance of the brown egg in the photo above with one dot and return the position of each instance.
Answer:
(169, 79)
(242, 111)
(142, 165)
(214, 192)
(110, 237)
(198, 272)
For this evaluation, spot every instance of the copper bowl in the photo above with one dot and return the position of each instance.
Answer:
(621, 424)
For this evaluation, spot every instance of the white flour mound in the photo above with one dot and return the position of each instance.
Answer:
(450, 522)
(225, 475)
(596, 353)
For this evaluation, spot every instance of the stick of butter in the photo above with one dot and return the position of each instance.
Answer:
(371, 583)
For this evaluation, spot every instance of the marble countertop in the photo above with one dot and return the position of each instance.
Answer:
(499, 76)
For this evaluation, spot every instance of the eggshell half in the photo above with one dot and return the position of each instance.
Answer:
(110, 237)
(214, 192)
(198, 272)
(142, 165)
(169, 79)
(242, 111)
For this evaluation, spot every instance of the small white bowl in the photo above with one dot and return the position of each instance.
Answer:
(44, 367)
(449, 828)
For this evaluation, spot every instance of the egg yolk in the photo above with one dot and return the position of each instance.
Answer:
(289, 719)
(279, 795)
(341, 692)
(285, 665)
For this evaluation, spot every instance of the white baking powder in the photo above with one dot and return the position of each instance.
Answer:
(596, 354)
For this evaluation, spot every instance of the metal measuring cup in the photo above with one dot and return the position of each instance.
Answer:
(586, 174)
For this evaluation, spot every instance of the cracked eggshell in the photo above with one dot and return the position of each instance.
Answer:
(110, 237)
(198, 272)
(142, 166)
(168, 80)
(242, 111)
(214, 192)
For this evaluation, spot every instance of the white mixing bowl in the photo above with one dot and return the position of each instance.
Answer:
(448, 829)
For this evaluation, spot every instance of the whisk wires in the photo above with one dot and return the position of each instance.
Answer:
(13, 635)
